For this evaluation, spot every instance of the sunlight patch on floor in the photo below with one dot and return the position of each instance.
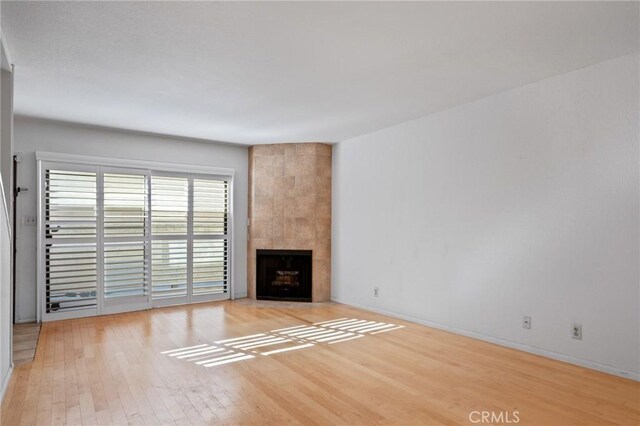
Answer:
(281, 340)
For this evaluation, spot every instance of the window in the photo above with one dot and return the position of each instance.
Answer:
(116, 239)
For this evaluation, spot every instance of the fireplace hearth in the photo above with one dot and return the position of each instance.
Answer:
(283, 275)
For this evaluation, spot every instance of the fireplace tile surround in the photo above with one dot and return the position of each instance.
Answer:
(290, 207)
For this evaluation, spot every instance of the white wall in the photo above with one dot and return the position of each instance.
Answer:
(6, 323)
(522, 203)
(40, 135)
(6, 144)
(6, 251)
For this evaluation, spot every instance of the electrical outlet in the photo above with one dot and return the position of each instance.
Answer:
(526, 321)
(375, 291)
(29, 220)
(576, 331)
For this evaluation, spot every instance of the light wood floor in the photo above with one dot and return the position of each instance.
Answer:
(25, 340)
(129, 369)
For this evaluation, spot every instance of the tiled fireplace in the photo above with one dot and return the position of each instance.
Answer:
(290, 209)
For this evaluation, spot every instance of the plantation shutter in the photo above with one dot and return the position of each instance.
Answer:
(170, 223)
(126, 237)
(70, 233)
(210, 233)
(118, 239)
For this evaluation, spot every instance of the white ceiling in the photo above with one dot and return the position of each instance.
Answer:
(255, 73)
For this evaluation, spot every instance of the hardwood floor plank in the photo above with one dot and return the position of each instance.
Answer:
(115, 370)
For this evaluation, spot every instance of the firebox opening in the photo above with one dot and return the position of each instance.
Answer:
(283, 275)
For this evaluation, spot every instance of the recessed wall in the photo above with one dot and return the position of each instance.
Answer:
(290, 207)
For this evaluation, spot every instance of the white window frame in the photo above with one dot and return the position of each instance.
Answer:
(149, 168)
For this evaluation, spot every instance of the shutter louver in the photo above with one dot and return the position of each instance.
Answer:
(210, 228)
(169, 205)
(125, 270)
(169, 223)
(125, 205)
(70, 277)
(210, 207)
(126, 233)
(70, 201)
(70, 231)
(169, 266)
(209, 266)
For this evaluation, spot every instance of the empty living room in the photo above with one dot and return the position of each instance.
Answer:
(319, 213)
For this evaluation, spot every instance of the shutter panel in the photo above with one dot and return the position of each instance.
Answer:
(169, 205)
(169, 266)
(210, 207)
(169, 223)
(125, 205)
(126, 234)
(125, 270)
(70, 218)
(210, 228)
(70, 277)
(209, 267)
(70, 204)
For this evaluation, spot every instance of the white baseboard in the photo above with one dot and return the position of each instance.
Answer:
(502, 342)
(25, 320)
(240, 295)
(5, 383)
